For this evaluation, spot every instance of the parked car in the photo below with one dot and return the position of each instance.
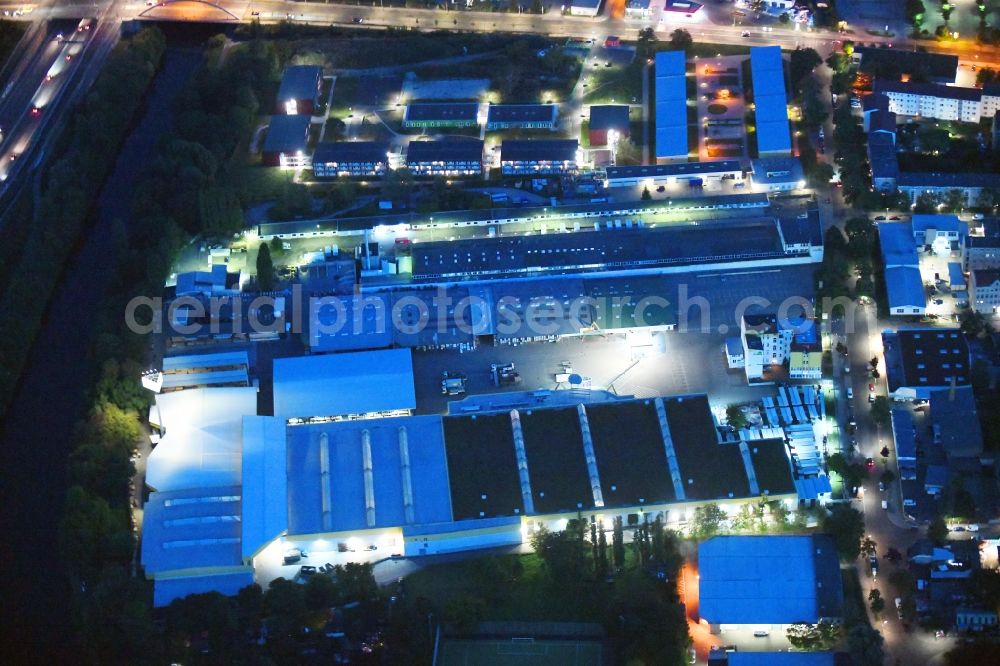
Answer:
(307, 570)
(938, 301)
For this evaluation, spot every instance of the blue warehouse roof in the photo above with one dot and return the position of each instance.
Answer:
(769, 579)
(902, 433)
(671, 104)
(896, 240)
(770, 100)
(341, 384)
(197, 531)
(922, 222)
(327, 489)
(265, 516)
(905, 287)
(781, 659)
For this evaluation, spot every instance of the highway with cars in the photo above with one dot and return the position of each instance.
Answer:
(32, 92)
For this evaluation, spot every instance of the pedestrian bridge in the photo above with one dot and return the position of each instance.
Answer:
(195, 10)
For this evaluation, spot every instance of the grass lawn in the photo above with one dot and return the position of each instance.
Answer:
(607, 85)
(519, 653)
(530, 598)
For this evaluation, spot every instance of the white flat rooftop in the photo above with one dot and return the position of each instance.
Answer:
(202, 439)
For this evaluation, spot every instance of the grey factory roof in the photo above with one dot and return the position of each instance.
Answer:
(629, 450)
(341, 152)
(539, 150)
(597, 250)
(446, 150)
(748, 200)
(287, 134)
(299, 82)
(678, 169)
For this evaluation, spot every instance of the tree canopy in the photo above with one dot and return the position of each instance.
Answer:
(846, 526)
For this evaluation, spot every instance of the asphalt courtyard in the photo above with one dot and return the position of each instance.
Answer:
(680, 362)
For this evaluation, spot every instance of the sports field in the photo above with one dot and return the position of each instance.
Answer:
(518, 652)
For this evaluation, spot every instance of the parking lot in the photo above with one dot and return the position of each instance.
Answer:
(683, 361)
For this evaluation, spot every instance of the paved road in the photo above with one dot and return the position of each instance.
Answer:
(887, 527)
(552, 23)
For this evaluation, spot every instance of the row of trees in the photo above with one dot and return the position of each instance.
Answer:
(645, 621)
(87, 151)
(188, 188)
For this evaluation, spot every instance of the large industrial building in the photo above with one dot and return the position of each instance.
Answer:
(670, 87)
(766, 582)
(491, 472)
(654, 175)
(770, 101)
